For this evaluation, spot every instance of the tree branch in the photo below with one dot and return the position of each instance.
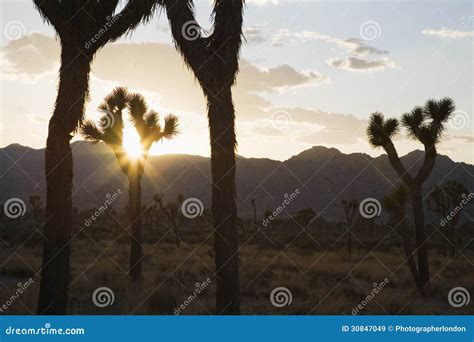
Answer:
(428, 164)
(125, 21)
(198, 50)
(50, 13)
(397, 164)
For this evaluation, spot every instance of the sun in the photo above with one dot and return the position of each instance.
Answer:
(131, 143)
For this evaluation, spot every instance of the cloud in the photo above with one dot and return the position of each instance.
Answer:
(254, 34)
(260, 80)
(354, 46)
(320, 127)
(467, 139)
(158, 68)
(262, 2)
(445, 33)
(30, 56)
(361, 65)
(267, 130)
(36, 119)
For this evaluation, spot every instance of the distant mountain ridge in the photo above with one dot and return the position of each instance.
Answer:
(323, 176)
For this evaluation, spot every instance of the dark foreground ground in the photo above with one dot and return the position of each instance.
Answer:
(314, 265)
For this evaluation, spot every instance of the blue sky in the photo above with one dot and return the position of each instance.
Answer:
(412, 58)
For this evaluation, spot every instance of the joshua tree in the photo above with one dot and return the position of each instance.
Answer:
(350, 211)
(395, 204)
(110, 131)
(254, 211)
(37, 206)
(449, 200)
(172, 213)
(426, 125)
(214, 59)
(83, 28)
(305, 216)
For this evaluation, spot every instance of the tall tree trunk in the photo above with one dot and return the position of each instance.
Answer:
(349, 240)
(421, 243)
(69, 107)
(223, 141)
(408, 250)
(134, 193)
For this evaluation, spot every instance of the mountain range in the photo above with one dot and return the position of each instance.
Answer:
(320, 177)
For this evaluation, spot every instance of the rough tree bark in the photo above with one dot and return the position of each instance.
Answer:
(73, 89)
(221, 113)
(420, 237)
(215, 61)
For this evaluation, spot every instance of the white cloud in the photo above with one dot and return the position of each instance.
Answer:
(254, 34)
(445, 33)
(354, 46)
(361, 65)
(262, 2)
(136, 66)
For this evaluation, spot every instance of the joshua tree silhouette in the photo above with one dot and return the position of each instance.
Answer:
(305, 216)
(83, 28)
(395, 204)
(172, 213)
(37, 206)
(254, 207)
(215, 62)
(350, 213)
(425, 124)
(444, 200)
(110, 131)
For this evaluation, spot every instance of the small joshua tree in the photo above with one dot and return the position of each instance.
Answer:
(350, 213)
(426, 125)
(305, 217)
(110, 131)
(395, 203)
(37, 206)
(449, 200)
(254, 211)
(172, 213)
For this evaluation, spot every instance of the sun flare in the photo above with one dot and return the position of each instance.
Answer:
(131, 142)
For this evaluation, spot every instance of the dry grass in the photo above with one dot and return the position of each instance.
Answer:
(322, 279)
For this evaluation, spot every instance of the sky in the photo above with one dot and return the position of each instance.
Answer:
(311, 73)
